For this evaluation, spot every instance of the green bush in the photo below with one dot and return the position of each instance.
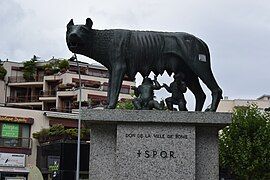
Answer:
(85, 133)
(29, 69)
(125, 104)
(48, 69)
(58, 132)
(245, 144)
(42, 135)
(3, 72)
(48, 66)
(63, 64)
(71, 133)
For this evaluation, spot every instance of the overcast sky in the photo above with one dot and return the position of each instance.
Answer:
(237, 33)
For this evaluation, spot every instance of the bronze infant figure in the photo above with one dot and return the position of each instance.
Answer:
(145, 95)
(177, 88)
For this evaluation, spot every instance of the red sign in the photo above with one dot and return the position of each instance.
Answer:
(16, 119)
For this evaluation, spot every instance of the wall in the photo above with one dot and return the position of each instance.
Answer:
(8, 65)
(40, 121)
(228, 105)
(2, 92)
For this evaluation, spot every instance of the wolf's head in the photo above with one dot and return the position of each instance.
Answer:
(79, 37)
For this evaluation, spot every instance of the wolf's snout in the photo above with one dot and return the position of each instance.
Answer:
(73, 36)
(74, 40)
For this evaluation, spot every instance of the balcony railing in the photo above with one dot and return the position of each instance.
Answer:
(22, 99)
(65, 110)
(102, 75)
(122, 90)
(20, 79)
(76, 109)
(16, 142)
(48, 93)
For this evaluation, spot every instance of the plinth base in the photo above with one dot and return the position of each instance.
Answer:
(154, 144)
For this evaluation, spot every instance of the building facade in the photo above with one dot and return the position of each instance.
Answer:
(227, 105)
(59, 91)
(28, 105)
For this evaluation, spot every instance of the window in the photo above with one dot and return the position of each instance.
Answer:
(15, 135)
(124, 90)
(98, 73)
(97, 100)
(87, 83)
(10, 130)
(105, 87)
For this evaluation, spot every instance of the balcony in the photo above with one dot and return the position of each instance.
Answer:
(16, 145)
(20, 79)
(98, 74)
(125, 89)
(47, 96)
(16, 142)
(64, 110)
(22, 99)
(48, 93)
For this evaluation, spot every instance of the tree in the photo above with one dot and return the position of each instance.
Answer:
(245, 144)
(63, 65)
(3, 72)
(29, 69)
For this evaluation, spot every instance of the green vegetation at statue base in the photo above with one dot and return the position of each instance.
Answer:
(125, 104)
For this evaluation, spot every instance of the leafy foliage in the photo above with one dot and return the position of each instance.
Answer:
(75, 104)
(3, 72)
(41, 135)
(29, 69)
(55, 66)
(58, 131)
(48, 68)
(245, 144)
(63, 64)
(125, 104)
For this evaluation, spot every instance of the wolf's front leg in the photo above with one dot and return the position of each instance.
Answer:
(116, 78)
(109, 87)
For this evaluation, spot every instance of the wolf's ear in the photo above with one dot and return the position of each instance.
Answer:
(89, 23)
(70, 23)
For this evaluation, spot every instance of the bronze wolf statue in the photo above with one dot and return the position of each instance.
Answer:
(126, 52)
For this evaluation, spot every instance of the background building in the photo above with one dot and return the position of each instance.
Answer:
(57, 91)
(227, 105)
(49, 96)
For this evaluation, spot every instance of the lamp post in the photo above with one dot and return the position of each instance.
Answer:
(79, 120)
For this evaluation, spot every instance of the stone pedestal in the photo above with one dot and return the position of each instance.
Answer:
(154, 144)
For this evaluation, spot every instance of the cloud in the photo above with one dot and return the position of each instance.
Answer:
(10, 17)
(237, 33)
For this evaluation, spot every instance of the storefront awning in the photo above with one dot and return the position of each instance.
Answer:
(14, 170)
(61, 115)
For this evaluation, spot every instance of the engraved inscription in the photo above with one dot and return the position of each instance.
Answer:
(148, 153)
(156, 135)
(156, 154)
